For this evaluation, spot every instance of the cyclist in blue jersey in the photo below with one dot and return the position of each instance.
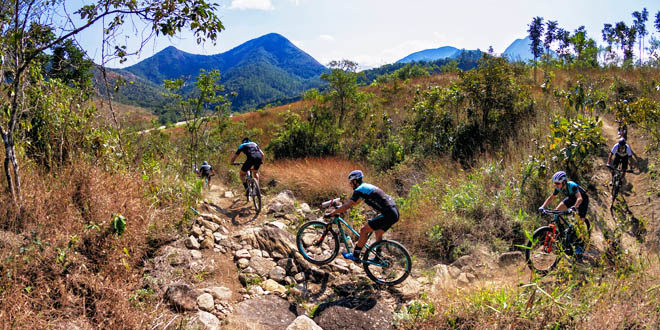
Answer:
(377, 199)
(576, 199)
(253, 161)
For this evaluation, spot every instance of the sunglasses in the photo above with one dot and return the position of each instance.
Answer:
(557, 183)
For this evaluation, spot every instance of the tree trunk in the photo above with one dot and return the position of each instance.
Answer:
(11, 163)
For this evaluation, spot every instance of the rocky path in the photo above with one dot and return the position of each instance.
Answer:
(238, 270)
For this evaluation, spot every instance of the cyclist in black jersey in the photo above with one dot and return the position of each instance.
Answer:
(253, 161)
(377, 199)
(621, 152)
(206, 171)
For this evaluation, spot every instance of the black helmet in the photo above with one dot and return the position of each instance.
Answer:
(622, 142)
(246, 140)
(205, 163)
(355, 175)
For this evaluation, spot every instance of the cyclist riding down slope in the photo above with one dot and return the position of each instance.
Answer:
(377, 199)
(253, 161)
(621, 152)
(576, 198)
(206, 171)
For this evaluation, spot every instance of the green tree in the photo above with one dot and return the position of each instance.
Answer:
(199, 107)
(639, 23)
(28, 31)
(585, 49)
(563, 52)
(69, 64)
(535, 32)
(343, 86)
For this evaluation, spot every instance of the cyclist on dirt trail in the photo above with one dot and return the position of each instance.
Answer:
(253, 161)
(621, 152)
(576, 199)
(377, 199)
(206, 171)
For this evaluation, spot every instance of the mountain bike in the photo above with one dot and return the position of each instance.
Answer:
(617, 179)
(385, 262)
(252, 191)
(550, 243)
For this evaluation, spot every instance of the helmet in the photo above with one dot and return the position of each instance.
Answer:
(205, 163)
(559, 177)
(622, 142)
(246, 140)
(355, 175)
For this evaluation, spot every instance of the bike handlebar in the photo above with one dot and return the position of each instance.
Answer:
(548, 211)
(616, 169)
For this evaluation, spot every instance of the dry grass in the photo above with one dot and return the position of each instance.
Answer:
(128, 115)
(70, 265)
(315, 179)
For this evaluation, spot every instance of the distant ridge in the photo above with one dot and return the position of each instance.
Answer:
(262, 70)
(429, 55)
(520, 51)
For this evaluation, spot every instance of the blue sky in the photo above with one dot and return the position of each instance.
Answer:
(377, 32)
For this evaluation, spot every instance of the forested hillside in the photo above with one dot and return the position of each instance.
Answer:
(260, 71)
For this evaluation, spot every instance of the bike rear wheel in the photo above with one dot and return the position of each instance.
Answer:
(387, 262)
(544, 251)
(255, 195)
(317, 242)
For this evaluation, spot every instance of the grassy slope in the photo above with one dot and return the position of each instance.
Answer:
(619, 295)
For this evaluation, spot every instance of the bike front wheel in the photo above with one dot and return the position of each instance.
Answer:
(317, 242)
(255, 195)
(544, 251)
(387, 262)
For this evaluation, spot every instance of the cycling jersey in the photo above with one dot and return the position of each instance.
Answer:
(205, 170)
(250, 149)
(374, 197)
(571, 189)
(622, 152)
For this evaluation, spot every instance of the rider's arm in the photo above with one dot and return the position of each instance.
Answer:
(578, 200)
(233, 158)
(609, 159)
(548, 200)
(350, 203)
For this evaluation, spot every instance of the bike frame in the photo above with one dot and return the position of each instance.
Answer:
(557, 226)
(339, 221)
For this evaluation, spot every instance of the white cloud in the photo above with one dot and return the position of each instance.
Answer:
(297, 2)
(252, 4)
(327, 37)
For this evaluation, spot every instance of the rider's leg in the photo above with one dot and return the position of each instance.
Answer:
(243, 175)
(256, 174)
(364, 234)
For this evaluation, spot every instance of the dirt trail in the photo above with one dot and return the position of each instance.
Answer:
(636, 190)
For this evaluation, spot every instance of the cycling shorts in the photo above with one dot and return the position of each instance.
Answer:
(385, 220)
(251, 163)
(619, 159)
(584, 206)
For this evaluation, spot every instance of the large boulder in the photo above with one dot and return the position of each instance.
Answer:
(208, 320)
(269, 311)
(262, 266)
(354, 313)
(303, 322)
(182, 297)
(284, 202)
